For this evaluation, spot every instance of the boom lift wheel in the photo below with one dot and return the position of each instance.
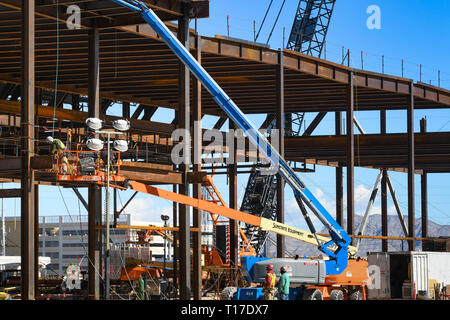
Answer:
(336, 295)
(227, 293)
(356, 295)
(312, 294)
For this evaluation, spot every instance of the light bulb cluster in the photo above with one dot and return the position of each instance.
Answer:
(96, 144)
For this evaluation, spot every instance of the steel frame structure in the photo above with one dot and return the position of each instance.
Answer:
(319, 85)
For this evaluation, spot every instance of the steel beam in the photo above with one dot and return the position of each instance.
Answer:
(280, 124)
(10, 193)
(78, 116)
(424, 189)
(126, 110)
(94, 73)
(176, 237)
(384, 206)
(411, 166)
(339, 175)
(397, 206)
(28, 235)
(94, 241)
(80, 197)
(314, 123)
(36, 238)
(94, 192)
(184, 122)
(350, 157)
(384, 212)
(232, 187)
(196, 133)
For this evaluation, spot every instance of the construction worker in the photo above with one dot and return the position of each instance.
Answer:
(57, 146)
(4, 296)
(269, 283)
(283, 284)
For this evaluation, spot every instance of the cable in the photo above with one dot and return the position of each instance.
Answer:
(262, 23)
(57, 68)
(276, 20)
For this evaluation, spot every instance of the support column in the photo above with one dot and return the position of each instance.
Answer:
(94, 192)
(126, 110)
(411, 168)
(350, 157)
(232, 184)
(384, 209)
(281, 127)
(27, 132)
(36, 238)
(94, 74)
(424, 189)
(176, 238)
(339, 176)
(183, 116)
(197, 188)
(94, 241)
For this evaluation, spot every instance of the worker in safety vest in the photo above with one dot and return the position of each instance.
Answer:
(269, 283)
(58, 145)
(4, 296)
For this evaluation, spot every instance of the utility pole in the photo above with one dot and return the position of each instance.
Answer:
(122, 125)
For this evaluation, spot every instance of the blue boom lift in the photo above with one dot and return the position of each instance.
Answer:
(337, 249)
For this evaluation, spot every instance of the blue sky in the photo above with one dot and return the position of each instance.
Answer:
(415, 31)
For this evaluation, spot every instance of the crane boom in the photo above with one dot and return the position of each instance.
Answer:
(339, 258)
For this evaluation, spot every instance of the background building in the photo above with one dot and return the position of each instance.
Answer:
(65, 240)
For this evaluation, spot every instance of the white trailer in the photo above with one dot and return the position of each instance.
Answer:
(397, 275)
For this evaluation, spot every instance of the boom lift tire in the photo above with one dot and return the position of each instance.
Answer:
(312, 294)
(227, 293)
(356, 295)
(336, 295)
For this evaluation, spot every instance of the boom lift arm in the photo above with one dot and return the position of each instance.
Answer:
(339, 258)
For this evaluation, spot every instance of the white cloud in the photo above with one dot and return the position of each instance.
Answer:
(148, 210)
(362, 195)
(295, 218)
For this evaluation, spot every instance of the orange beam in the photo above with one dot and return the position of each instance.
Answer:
(197, 203)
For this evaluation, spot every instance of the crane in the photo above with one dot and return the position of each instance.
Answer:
(310, 27)
(336, 248)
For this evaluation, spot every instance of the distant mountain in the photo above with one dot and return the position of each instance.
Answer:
(373, 228)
